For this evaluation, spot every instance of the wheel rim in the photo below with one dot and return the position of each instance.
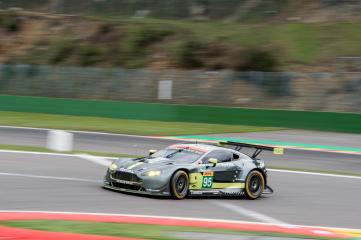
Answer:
(181, 184)
(255, 185)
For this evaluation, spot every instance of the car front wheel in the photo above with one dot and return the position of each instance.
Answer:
(179, 185)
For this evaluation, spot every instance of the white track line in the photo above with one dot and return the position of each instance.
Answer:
(90, 132)
(48, 177)
(249, 213)
(314, 173)
(39, 153)
(104, 161)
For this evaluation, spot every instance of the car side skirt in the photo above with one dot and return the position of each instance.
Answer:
(219, 192)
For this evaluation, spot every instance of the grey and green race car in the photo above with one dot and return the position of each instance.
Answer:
(193, 169)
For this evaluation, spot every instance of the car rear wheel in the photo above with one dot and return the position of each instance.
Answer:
(254, 184)
(179, 185)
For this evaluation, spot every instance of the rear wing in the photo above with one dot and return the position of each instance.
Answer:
(259, 148)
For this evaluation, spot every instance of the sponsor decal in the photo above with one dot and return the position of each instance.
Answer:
(125, 182)
(189, 148)
(226, 165)
(278, 151)
(125, 170)
(233, 191)
(205, 192)
(152, 190)
(202, 168)
(208, 174)
(197, 192)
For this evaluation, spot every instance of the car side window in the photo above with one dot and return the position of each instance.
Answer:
(221, 155)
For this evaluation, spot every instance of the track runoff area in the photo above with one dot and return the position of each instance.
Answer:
(241, 226)
(34, 185)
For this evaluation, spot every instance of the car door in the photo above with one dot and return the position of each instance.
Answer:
(225, 170)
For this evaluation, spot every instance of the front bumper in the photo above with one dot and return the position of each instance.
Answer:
(136, 184)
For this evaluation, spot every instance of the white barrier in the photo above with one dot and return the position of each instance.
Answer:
(165, 90)
(60, 141)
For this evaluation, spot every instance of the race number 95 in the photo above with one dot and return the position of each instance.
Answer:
(207, 182)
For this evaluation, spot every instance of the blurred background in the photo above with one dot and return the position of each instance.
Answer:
(303, 55)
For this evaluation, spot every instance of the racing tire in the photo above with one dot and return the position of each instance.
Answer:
(179, 184)
(255, 185)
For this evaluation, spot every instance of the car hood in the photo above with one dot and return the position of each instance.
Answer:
(140, 165)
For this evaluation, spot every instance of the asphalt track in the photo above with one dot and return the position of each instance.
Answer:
(296, 159)
(64, 183)
(70, 183)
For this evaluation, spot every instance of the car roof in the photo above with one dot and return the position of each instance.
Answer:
(205, 148)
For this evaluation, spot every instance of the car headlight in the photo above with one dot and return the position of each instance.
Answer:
(153, 173)
(113, 167)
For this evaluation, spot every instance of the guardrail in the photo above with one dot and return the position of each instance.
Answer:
(333, 92)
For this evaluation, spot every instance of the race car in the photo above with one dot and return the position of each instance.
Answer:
(193, 169)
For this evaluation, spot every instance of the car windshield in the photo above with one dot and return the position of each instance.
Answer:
(179, 155)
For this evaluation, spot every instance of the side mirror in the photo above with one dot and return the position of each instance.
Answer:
(214, 161)
(152, 151)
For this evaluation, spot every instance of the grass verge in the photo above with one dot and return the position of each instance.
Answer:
(126, 126)
(143, 231)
